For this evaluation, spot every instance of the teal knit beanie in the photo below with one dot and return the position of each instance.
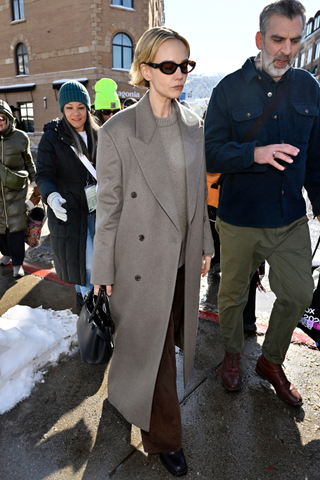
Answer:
(73, 91)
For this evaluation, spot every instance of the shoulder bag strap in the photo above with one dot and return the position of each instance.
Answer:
(85, 162)
(255, 129)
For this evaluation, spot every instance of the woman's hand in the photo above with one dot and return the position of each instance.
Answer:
(108, 290)
(205, 265)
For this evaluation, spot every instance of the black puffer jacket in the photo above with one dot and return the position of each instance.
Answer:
(15, 154)
(60, 170)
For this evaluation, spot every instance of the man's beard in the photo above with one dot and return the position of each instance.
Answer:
(268, 64)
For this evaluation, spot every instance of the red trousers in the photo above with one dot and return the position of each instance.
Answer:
(165, 424)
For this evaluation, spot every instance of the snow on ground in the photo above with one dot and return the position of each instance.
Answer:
(30, 338)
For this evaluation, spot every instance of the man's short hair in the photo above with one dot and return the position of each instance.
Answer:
(288, 8)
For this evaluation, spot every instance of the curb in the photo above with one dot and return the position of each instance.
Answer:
(299, 338)
(45, 273)
(49, 274)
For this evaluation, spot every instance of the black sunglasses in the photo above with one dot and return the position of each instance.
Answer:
(2, 119)
(168, 68)
(107, 112)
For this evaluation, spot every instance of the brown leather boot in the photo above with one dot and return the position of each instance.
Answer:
(230, 372)
(276, 376)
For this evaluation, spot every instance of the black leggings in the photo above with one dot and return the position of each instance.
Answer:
(12, 245)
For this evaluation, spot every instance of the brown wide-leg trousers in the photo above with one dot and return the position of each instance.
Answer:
(165, 424)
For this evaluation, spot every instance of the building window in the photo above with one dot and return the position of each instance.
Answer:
(309, 58)
(317, 22)
(27, 117)
(296, 62)
(302, 59)
(17, 10)
(309, 28)
(22, 60)
(317, 51)
(122, 51)
(123, 3)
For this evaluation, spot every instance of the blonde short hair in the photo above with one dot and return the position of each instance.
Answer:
(147, 48)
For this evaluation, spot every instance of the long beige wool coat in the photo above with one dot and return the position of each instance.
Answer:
(137, 248)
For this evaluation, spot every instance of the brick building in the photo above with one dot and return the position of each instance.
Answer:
(46, 42)
(308, 56)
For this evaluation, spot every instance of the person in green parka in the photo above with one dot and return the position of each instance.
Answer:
(16, 155)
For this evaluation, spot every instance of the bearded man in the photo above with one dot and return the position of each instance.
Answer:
(262, 213)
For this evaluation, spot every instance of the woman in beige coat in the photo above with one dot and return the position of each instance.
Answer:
(153, 241)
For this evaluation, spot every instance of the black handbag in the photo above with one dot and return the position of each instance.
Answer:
(95, 329)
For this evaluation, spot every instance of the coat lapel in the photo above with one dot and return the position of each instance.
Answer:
(148, 149)
(192, 137)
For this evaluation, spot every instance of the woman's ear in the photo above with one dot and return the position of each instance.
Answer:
(145, 71)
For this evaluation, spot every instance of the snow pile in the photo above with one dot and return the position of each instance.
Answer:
(29, 339)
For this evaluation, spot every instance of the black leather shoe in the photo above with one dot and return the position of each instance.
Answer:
(175, 463)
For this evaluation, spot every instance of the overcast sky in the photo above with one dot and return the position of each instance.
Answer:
(221, 32)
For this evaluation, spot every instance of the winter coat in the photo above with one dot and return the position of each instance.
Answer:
(15, 154)
(137, 248)
(60, 170)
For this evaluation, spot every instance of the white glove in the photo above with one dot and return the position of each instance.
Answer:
(55, 201)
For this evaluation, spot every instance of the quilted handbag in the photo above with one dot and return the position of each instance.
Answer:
(36, 219)
(95, 329)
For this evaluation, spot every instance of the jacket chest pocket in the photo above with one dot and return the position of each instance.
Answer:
(304, 117)
(245, 118)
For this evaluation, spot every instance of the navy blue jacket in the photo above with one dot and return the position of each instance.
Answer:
(256, 195)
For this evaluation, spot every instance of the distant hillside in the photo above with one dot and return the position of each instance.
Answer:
(200, 86)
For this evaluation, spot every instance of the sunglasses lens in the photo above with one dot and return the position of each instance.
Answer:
(168, 68)
(2, 119)
(184, 67)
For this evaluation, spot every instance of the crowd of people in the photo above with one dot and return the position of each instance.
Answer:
(127, 211)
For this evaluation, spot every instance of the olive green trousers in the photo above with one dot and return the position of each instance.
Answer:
(287, 250)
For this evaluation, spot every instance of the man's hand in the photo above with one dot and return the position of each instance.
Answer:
(271, 153)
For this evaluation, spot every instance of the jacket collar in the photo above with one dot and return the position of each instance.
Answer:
(249, 72)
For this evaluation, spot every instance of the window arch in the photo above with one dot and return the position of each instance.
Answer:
(122, 51)
(22, 59)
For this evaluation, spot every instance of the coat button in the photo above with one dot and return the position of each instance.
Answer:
(269, 94)
(133, 195)
(248, 114)
(137, 277)
(141, 238)
(306, 110)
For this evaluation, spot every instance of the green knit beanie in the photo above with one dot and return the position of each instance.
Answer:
(73, 91)
(106, 95)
